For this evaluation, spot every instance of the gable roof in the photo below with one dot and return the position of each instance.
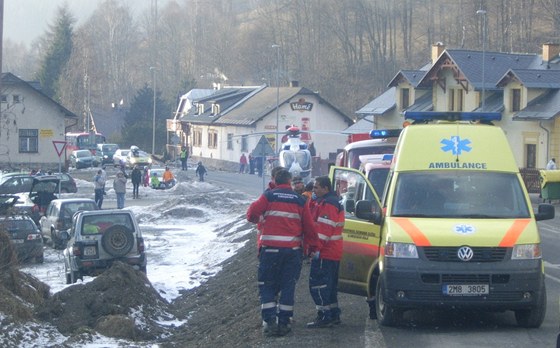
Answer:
(411, 76)
(247, 107)
(10, 79)
(365, 125)
(544, 107)
(532, 78)
(380, 105)
(469, 65)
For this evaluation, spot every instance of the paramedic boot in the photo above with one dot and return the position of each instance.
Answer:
(322, 320)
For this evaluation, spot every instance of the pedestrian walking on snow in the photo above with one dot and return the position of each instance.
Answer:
(136, 178)
(119, 184)
(200, 171)
(242, 163)
(99, 188)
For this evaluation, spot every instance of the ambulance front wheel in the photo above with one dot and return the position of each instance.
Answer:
(386, 314)
(534, 317)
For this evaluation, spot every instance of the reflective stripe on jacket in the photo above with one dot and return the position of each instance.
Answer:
(328, 215)
(285, 219)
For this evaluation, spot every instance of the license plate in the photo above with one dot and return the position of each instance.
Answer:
(466, 289)
(89, 251)
(18, 241)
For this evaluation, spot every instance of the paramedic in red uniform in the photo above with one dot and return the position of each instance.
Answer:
(287, 221)
(328, 215)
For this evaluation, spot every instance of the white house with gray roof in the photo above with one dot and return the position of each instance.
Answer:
(232, 120)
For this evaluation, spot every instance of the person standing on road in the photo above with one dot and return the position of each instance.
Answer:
(99, 188)
(551, 165)
(136, 178)
(242, 164)
(328, 215)
(287, 220)
(184, 155)
(146, 176)
(119, 184)
(200, 171)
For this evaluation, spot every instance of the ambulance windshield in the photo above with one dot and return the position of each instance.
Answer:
(464, 194)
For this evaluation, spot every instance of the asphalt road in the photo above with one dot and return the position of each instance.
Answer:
(420, 328)
(435, 328)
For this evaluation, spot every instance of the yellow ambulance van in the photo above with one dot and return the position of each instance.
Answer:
(454, 227)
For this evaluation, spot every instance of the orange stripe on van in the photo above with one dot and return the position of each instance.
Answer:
(417, 236)
(514, 232)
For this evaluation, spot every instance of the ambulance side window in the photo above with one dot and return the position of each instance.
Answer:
(352, 187)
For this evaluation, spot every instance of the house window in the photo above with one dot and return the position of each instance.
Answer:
(199, 109)
(212, 139)
(28, 140)
(230, 141)
(515, 99)
(4, 98)
(455, 100)
(16, 99)
(215, 109)
(405, 98)
(244, 146)
(197, 137)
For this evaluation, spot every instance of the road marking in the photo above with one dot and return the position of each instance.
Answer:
(551, 265)
(372, 335)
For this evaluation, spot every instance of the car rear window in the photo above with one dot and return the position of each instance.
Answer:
(16, 225)
(97, 224)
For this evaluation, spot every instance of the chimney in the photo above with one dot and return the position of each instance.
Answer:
(437, 50)
(294, 83)
(550, 51)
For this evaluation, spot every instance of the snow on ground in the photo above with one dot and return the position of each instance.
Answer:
(182, 251)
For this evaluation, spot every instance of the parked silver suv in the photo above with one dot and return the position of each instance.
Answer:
(99, 238)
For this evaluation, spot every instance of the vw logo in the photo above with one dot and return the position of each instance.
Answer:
(465, 253)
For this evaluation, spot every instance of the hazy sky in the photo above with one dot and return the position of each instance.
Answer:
(25, 20)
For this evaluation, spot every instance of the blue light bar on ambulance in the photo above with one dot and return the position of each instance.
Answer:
(385, 133)
(452, 116)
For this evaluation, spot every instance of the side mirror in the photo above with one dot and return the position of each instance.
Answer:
(545, 212)
(350, 206)
(64, 235)
(367, 211)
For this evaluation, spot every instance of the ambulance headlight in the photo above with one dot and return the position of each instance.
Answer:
(401, 250)
(526, 252)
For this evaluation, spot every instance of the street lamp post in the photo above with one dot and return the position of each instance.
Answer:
(483, 14)
(277, 94)
(153, 69)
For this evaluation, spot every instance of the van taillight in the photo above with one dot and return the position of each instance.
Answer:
(140, 244)
(76, 249)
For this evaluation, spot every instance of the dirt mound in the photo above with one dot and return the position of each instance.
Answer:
(120, 302)
(18, 291)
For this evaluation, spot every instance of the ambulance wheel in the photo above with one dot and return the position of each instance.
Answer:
(534, 317)
(386, 314)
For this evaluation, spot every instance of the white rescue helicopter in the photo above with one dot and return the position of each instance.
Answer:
(295, 155)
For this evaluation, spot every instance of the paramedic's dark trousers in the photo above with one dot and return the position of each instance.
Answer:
(279, 271)
(323, 284)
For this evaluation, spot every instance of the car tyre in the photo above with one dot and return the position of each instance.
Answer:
(534, 317)
(386, 314)
(117, 240)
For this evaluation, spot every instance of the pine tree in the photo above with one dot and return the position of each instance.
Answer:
(137, 128)
(58, 49)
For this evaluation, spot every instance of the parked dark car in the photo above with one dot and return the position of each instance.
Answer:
(58, 218)
(67, 183)
(98, 239)
(15, 183)
(106, 152)
(82, 159)
(25, 237)
(19, 182)
(44, 189)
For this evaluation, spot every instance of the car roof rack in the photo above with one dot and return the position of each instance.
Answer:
(429, 116)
